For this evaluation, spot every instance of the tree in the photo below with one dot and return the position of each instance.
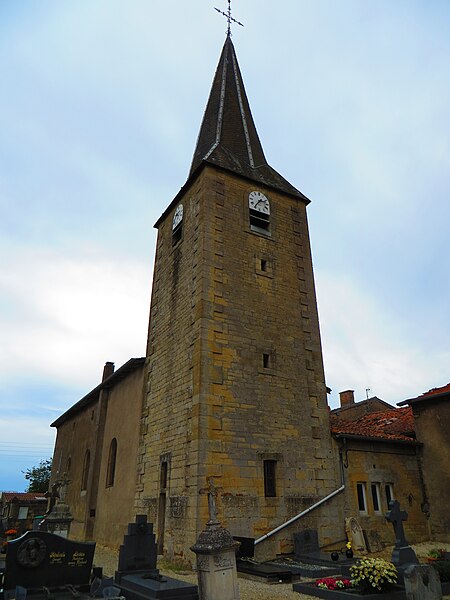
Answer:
(39, 476)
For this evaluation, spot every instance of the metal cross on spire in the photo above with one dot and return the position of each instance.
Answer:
(229, 17)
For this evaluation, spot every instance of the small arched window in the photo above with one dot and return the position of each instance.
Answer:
(111, 463)
(85, 476)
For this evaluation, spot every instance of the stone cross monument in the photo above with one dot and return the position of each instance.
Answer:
(216, 555)
(402, 554)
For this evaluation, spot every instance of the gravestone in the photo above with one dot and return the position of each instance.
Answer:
(306, 542)
(355, 535)
(422, 583)
(402, 554)
(137, 575)
(39, 560)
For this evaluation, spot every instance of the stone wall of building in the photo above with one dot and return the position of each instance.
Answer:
(384, 464)
(432, 424)
(115, 501)
(101, 511)
(75, 437)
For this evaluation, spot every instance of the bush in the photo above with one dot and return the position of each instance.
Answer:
(369, 573)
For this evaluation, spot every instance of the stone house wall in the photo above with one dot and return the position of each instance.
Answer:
(384, 464)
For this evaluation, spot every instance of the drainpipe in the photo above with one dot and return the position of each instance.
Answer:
(308, 510)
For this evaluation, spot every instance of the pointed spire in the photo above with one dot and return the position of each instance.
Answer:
(228, 136)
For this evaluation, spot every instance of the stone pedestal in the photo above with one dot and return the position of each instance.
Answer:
(422, 583)
(58, 521)
(216, 563)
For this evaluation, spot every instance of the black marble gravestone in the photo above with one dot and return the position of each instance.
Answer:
(137, 575)
(39, 560)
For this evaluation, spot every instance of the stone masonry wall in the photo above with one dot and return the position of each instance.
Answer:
(382, 464)
(432, 424)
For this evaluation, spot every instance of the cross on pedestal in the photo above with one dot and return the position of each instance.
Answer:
(396, 517)
(402, 554)
(213, 493)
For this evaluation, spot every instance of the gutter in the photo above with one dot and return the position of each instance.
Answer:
(366, 438)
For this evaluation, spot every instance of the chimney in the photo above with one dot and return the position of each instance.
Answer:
(108, 370)
(347, 398)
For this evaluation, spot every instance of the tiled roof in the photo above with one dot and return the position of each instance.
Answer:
(440, 390)
(23, 496)
(433, 394)
(392, 425)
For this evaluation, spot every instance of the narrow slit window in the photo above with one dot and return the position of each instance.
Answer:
(111, 470)
(389, 491)
(263, 265)
(163, 475)
(266, 361)
(361, 493)
(85, 476)
(375, 488)
(270, 487)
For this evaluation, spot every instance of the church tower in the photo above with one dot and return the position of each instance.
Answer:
(234, 384)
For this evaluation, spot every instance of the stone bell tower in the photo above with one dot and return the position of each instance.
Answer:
(235, 385)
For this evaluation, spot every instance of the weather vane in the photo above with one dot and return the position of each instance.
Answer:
(229, 17)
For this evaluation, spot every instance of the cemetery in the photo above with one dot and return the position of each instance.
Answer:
(43, 565)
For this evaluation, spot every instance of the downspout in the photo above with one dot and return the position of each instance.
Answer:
(308, 510)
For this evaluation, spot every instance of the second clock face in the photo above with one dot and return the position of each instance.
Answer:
(178, 216)
(258, 201)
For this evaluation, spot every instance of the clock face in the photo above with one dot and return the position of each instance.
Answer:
(178, 216)
(257, 201)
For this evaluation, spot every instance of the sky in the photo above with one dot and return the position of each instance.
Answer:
(100, 106)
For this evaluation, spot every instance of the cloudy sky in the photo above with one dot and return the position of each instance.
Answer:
(100, 106)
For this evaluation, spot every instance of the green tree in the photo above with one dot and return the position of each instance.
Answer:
(39, 476)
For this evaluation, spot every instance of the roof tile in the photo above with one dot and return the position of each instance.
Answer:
(392, 425)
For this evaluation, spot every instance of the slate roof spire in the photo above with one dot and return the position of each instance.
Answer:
(228, 136)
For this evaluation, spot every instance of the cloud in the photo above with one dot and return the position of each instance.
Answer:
(368, 346)
(68, 315)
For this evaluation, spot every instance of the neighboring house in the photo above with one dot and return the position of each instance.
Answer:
(379, 457)
(20, 508)
(431, 412)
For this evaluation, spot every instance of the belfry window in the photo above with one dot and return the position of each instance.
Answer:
(111, 471)
(259, 212)
(177, 225)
